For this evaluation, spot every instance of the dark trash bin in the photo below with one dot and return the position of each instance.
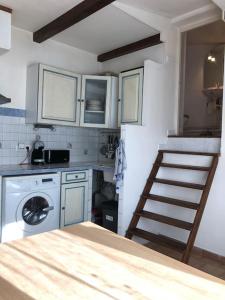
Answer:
(110, 215)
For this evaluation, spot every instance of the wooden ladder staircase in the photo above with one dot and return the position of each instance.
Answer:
(198, 207)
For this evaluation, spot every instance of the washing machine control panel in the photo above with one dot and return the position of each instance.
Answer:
(30, 183)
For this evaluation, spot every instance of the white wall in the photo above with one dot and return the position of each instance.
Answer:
(160, 109)
(142, 142)
(134, 60)
(161, 112)
(214, 220)
(211, 229)
(13, 64)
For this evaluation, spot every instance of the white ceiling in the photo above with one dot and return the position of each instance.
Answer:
(168, 8)
(103, 31)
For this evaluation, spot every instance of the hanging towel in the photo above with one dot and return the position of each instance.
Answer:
(120, 165)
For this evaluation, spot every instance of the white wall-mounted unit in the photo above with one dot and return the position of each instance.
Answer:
(130, 95)
(53, 97)
(5, 30)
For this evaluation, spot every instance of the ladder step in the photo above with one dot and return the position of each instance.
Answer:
(185, 167)
(180, 183)
(166, 220)
(190, 152)
(160, 239)
(172, 201)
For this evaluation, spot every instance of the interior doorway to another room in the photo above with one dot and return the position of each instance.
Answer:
(202, 76)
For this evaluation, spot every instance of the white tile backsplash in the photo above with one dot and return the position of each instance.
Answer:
(13, 131)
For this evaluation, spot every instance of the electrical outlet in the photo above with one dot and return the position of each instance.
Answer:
(20, 146)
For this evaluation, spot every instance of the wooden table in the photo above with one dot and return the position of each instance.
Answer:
(88, 262)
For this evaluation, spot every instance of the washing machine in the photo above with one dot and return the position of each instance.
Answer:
(30, 205)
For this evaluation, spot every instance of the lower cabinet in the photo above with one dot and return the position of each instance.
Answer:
(74, 199)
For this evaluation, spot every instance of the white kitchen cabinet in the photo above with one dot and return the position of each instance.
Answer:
(74, 200)
(99, 98)
(52, 96)
(130, 97)
(55, 97)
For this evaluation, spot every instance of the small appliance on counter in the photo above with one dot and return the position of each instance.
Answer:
(40, 156)
(37, 156)
(56, 156)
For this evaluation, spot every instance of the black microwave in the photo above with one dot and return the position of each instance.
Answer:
(56, 156)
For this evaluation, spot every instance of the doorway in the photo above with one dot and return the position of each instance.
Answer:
(202, 76)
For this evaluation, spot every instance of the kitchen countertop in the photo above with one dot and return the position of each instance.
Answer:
(14, 170)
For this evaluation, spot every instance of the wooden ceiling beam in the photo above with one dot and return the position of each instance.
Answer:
(136, 46)
(68, 19)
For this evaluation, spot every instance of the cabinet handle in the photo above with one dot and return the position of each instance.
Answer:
(119, 100)
(63, 208)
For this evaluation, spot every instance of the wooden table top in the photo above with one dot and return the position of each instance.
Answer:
(88, 262)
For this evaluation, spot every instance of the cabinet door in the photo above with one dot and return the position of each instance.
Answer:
(74, 203)
(130, 95)
(59, 93)
(96, 93)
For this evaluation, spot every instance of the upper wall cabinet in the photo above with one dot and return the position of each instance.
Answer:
(99, 101)
(55, 97)
(52, 96)
(130, 97)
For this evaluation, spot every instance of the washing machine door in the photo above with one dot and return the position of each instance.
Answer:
(33, 212)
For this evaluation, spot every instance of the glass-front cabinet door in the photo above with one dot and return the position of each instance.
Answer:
(130, 97)
(59, 94)
(95, 101)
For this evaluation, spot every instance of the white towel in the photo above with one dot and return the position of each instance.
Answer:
(120, 166)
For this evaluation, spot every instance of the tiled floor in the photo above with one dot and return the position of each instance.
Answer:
(197, 261)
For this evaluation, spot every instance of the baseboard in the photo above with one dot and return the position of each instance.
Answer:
(202, 253)
(207, 254)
